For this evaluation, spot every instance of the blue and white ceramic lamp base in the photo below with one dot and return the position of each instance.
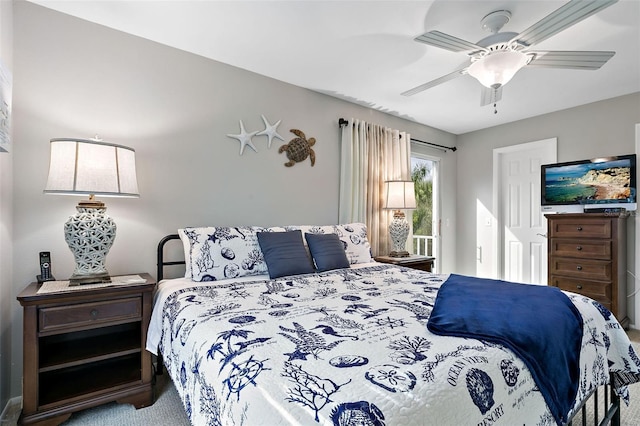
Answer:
(399, 231)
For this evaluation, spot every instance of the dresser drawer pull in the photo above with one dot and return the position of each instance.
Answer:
(579, 228)
(579, 268)
(94, 313)
(579, 287)
(579, 248)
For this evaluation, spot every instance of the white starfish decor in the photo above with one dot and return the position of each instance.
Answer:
(271, 131)
(244, 138)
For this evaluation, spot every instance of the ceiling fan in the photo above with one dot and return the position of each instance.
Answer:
(495, 59)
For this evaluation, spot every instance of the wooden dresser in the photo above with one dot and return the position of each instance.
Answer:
(587, 255)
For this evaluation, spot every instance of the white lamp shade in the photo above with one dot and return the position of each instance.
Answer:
(400, 194)
(84, 167)
(497, 68)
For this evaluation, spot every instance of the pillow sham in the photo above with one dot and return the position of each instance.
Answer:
(354, 237)
(284, 253)
(327, 251)
(217, 253)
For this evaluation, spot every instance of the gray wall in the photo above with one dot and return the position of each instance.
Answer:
(77, 79)
(6, 224)
(599, 129)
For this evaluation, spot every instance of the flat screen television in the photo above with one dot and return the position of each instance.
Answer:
(599, 183)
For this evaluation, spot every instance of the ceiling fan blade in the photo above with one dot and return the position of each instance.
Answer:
(490, 96)
(579, 60)
(448, 42)
(564, 17)
(437, 81)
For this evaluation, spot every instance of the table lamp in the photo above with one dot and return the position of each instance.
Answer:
(400, 195)
(91, 167)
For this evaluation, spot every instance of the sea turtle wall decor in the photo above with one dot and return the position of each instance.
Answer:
(298, 149)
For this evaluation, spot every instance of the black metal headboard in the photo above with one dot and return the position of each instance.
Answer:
(161, 262)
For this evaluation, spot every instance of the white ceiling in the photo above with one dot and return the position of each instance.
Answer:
(364, 52)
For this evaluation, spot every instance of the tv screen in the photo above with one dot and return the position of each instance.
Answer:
(597, 183)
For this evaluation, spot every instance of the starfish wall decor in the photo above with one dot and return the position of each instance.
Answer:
(270, 130)
(244, 137)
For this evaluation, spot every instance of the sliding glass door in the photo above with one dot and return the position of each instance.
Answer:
(426, 221)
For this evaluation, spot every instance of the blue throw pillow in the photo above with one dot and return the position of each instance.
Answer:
(284, 253)
(327, 251)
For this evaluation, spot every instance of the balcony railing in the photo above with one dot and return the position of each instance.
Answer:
(425, 245)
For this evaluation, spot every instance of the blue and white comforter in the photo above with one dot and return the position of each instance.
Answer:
(351, 347)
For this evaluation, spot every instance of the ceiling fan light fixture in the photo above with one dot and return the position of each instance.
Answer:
(497, 68)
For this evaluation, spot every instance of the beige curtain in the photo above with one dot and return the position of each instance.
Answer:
(370, 155)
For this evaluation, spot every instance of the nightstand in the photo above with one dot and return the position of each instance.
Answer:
(423, 263)
(85, 347)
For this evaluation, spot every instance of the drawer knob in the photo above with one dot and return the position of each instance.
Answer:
(579, 248)
(579, 287)
(94, 313)
(579, 228)
(579, 268)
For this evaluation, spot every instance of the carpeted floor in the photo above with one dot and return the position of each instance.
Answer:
(168, 410)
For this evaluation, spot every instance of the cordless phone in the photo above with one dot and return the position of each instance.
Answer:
(45, 267)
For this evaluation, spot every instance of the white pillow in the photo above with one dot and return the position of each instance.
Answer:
(354, 235)
(218, 253)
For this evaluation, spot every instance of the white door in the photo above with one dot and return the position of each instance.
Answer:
(522, 227)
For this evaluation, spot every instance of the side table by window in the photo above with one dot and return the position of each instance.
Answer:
(423, 263)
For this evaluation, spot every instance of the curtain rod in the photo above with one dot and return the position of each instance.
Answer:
(343, 122)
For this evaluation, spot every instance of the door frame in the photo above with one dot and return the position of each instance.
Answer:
(636, 248)
(498, 234)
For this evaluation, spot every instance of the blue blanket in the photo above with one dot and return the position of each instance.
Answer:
(538, 323)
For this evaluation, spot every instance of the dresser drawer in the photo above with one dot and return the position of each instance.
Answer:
(582, 248)
(580, 228)
(82, 314)
(599, 291)
(599, 270)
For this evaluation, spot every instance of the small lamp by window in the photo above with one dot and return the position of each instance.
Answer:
(91, 167)
(400, 195)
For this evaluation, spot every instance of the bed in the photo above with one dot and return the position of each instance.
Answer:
(349, 344)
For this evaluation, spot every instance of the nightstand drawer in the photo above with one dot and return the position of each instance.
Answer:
(582, 269)
(582, 248)
(596, 290)
(89, 313)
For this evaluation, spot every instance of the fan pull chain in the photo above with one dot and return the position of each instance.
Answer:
(495, 98)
